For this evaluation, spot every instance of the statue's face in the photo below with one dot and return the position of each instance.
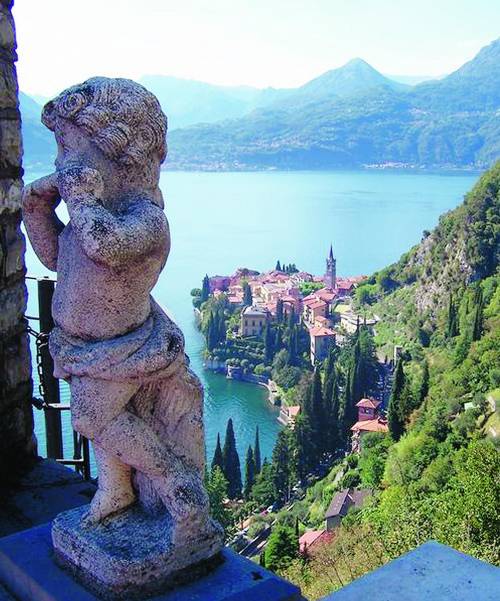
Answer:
(75, 148)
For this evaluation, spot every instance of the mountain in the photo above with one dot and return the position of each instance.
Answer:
(38, 142)
(187, 102)
(353, 117)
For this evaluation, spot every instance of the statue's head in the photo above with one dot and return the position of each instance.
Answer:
(118, 117)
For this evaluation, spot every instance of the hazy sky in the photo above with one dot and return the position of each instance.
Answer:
(277, 43)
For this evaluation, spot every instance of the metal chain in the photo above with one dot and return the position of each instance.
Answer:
(41, 340)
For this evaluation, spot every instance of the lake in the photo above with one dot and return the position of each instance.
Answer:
(222, 221)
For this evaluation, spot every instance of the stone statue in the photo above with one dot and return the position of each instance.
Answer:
(132, 393)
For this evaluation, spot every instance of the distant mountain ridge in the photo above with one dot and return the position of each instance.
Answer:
(449, 123)
(348, 117)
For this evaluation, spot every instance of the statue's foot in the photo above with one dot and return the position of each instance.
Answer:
(104, 504)
(185, 498)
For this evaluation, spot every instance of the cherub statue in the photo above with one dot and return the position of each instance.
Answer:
(132, 393)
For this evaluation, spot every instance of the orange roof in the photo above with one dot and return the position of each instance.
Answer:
(316, 305)
(294, 410)
(371, 403)
(309, 538)
(321, 331)
(371, 425)
(310, 300)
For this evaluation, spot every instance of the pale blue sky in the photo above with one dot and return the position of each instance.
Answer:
(277, 43)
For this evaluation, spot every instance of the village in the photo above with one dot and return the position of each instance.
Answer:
(323, 305)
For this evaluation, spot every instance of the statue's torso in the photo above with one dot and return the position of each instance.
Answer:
(95, 301)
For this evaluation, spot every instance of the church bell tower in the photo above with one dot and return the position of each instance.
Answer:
(331, 271)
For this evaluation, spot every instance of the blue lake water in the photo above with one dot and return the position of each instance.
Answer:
(222, 221)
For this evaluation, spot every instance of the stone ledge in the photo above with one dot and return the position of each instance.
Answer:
(28, 570)
(432, 572)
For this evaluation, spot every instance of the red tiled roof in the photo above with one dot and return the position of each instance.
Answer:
(319, 303)
(318, 331)
(294, 410)
(371, 425)
(309, 538)
(371, 403)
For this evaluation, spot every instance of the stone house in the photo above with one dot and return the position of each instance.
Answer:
(322, 339)
(253, 321)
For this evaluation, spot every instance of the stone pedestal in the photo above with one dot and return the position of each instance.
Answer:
(28, 571)
(134, 551)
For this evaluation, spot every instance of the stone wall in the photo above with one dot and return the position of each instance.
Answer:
(17, 444)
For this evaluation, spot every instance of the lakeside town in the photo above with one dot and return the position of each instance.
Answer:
(285, 329)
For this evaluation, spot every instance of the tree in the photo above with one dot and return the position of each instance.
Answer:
(216, 487)
(249, 472)
(477, 325)
(279, 311)
(394, 417)
(232, 470)
(282, 462)
(306, 446)
(218, 460)
(205, 289)
(247, 295)
(424, 384)
(256, 452)
(331, 399)
(452, 325)
(278, 266)
(314, 411)
(282, 548)
(268, 343)
(263, 491)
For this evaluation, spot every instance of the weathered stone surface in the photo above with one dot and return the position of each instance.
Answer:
(28, 570)
(432, 572)
(134, 552)
(43, 492)
(17, 444)
(132, 393)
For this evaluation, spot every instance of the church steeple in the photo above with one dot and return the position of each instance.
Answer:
(330, 278)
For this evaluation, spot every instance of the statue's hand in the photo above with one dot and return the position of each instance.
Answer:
(42, 192)
(77, 182)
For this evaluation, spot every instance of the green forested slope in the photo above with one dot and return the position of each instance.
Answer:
(437, 475)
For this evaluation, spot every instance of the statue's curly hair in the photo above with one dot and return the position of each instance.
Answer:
(124, 120)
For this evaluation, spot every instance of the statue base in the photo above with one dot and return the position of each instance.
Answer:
(132, 555)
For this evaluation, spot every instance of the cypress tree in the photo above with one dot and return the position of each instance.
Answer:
(332, 438)
(452, 326)
(247, 295)
(306, 446)
(424, 385)
(293, 345)
(232, 470)
(278, 266)
(268, 343)
(313, 411)
(477, 327)
(205, 289)
(282, 464)
(218, 460)
(256, 452)
(394, 414)
(279, 311)
(249, 472)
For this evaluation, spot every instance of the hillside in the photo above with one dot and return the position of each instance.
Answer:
(436, 475)
(449, 123)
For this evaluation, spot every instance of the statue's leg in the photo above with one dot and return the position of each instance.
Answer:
(99, 412)
(115, 490)
(93, 403)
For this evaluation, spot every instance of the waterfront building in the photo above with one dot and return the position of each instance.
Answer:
(253, 321)
(288, 414)
(322, 339)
